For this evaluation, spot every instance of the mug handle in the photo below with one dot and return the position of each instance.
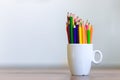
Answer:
(100, 54)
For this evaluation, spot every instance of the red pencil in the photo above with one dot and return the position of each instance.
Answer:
(68, 33)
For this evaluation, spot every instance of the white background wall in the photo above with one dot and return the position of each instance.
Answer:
(32, 32)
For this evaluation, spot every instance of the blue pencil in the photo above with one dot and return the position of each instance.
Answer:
(75, 33)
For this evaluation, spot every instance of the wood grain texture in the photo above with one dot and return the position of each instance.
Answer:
(57, 74)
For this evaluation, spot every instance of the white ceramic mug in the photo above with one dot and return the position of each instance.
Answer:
(80, 57)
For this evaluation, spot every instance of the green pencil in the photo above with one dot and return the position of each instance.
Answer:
(88, 36)
(71, 30)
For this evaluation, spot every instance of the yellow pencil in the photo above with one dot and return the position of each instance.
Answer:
(80, 34)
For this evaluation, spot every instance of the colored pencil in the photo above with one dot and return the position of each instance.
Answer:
(88, 36)
(68, 32)
(78, 31)
(91, 33)
(71, 30)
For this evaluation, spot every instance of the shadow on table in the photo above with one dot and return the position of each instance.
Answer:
(80, 78)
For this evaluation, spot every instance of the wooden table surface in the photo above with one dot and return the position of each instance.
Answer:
(57, 74)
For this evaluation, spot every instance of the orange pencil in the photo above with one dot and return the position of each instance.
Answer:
(91, 33)
(83, 34)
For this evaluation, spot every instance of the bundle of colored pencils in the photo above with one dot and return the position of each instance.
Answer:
(78, 31)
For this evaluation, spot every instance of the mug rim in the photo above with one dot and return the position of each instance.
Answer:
(79, 44)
